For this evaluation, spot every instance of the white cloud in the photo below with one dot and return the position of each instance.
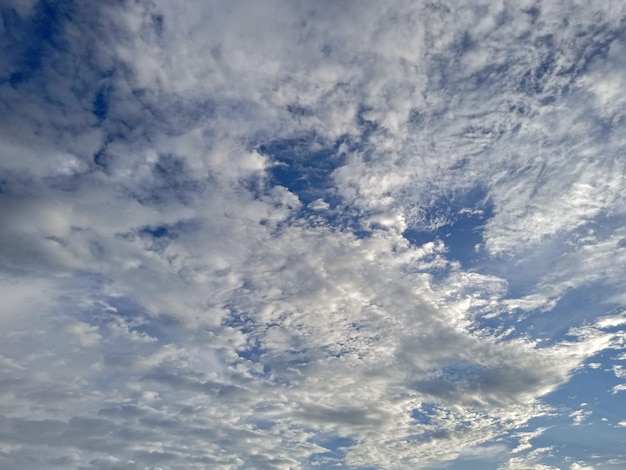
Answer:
(580, 466)
(525, 438)
(580, 416)
(618, 388)
(84, 333)
(167, 303)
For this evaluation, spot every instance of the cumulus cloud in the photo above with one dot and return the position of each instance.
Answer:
(292, 236)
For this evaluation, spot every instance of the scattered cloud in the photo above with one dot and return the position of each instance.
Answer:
(354, 234)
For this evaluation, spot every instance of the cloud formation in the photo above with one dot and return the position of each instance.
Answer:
(360, 234)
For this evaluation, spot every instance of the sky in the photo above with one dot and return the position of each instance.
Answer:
(312, 235)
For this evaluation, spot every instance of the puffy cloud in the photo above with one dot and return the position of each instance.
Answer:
(232, 234)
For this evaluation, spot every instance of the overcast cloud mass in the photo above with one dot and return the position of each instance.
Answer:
(299, 235)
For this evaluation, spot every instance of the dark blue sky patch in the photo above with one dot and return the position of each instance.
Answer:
(336, 446)
(425, 413)
(33, 39)
(416, 119)
(498, 325)
(463, 43)
(158, 24)
(462, 218)
(304, 166)
(159, 236)
(262, 424)
(159, 231)
(100, 107)
(305, 169)
(603, 227)
(101, 159)
(239, 321)
(344, 220)
(252, 352)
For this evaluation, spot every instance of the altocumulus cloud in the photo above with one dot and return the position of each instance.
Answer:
(369, 235)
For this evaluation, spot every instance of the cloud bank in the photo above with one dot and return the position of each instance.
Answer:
(279, 235)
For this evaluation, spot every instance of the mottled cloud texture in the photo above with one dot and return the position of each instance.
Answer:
(298, 235)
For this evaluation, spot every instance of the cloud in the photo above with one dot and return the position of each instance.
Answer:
(235, 235)
(579, 466)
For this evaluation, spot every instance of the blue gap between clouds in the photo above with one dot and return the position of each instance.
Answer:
(306, 171)
(424, 414)
(303, 169)
(579, 306)
(464, 216)
(336, 446)
(100, 106)
(590, 386)
(576, 308)
(34, 38)
(304, 166)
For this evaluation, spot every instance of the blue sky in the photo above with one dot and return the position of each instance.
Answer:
(302, 235)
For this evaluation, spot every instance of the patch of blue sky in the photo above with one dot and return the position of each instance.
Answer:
(100, 106)
(239, 320)
(602, 227)
(34, 38)
(335, 457)
(523, 271)
(485, 456)
(594, 386)
(425, 412)
(160, 236)
(458, 220)
(505, 323)
(577, 307)
(254, 352)
(304, 167)
(586, 397)
(594, 443)
(158, 231)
